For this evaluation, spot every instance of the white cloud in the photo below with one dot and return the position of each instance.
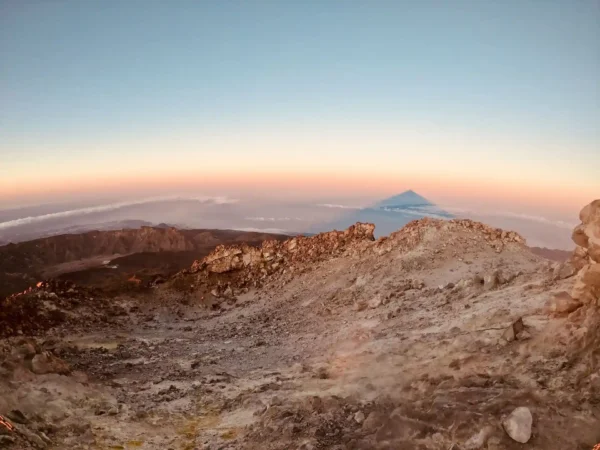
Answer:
(331, 205)
(510, 215)
(429, 211)
(269, 219)
(265, 230)
(109, 207)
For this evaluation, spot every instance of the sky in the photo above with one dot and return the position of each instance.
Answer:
(468, 102)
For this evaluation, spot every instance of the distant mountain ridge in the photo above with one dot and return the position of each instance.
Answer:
(26, 263)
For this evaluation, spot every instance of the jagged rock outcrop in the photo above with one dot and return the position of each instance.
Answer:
(587, 237)
(273, 254)
(237, 267)
(587, 233)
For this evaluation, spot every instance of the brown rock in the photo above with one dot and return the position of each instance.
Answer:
(46, 362)
(562, 303)
(25, 349)
(514, 330)
(272, 254)
(373, 421)
(360, 305)
(587, 285)
(587, 236)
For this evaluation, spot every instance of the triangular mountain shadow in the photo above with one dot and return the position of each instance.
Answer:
(389, 214)
(407, 198)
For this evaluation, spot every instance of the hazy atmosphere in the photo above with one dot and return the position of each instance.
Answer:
(299, 225)
(483, 108)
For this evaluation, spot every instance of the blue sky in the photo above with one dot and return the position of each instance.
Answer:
(86, 84)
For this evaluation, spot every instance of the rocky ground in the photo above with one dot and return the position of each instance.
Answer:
(446, 335)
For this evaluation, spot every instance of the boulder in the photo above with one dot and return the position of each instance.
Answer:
(417, 284)
(359, 417)
(514, 330)
(373, 422)
(46, 362)
(564, 270)
(375, 302)
(518, 424)
(587, 236)
(562, 303)
(490, 281)
(25, 349)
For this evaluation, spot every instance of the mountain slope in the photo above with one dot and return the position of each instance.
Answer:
(427, 339)
(26, 263)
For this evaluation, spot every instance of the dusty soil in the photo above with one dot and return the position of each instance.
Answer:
(388, 349)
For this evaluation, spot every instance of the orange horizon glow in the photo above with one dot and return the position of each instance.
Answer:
(444, 189)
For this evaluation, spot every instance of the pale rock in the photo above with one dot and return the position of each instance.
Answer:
(580, 258)
(464, 283)
(490, 281)
(417, 284)
(514, 330)
(375, 302)
(587, 286)
(509, 334)
(518, 424)
(359, 417)
(477, 441)
(45, 438)
(587, 234)
(563, 271)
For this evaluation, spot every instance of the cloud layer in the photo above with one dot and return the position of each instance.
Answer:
(333, 205)
(110, 207)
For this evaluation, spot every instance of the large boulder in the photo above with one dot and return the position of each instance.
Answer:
(587, 236)
(562, 303)
(587, 233)
(518, 424)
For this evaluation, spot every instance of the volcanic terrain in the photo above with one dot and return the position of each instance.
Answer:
(448, 335)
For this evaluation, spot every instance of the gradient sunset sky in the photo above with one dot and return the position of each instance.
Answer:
(468, 102)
